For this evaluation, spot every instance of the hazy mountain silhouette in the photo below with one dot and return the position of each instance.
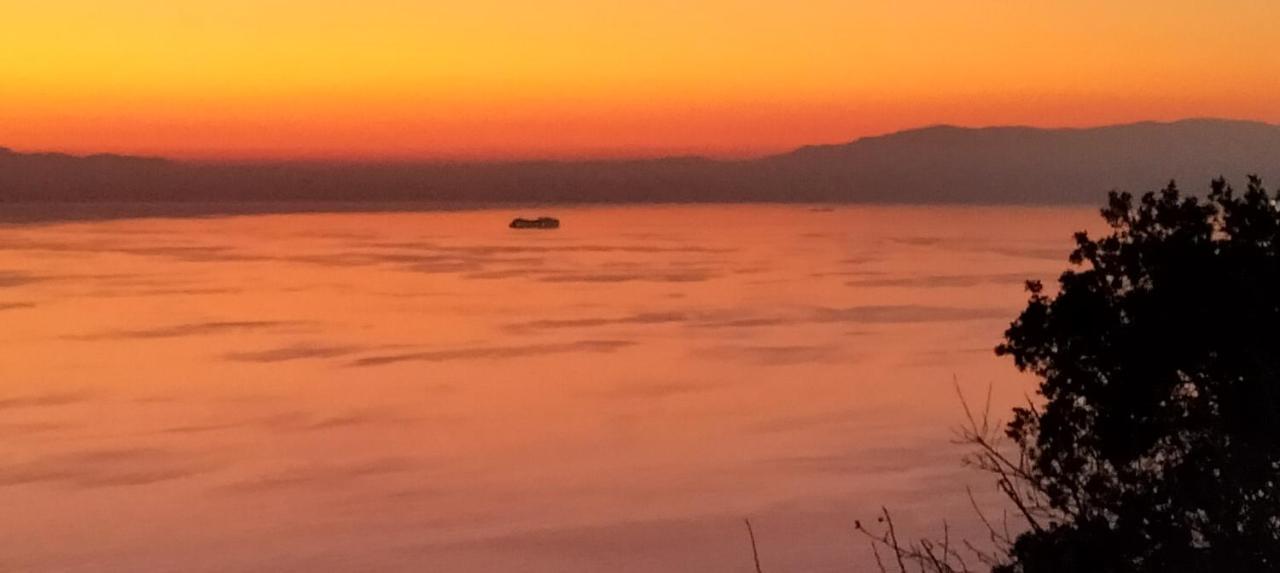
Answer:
(1030, 165)
(941, 164)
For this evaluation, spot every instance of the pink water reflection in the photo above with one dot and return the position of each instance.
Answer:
(435, 391)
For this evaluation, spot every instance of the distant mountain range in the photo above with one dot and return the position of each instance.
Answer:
(941, 164)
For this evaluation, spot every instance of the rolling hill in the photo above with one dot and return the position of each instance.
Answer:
(939, 164)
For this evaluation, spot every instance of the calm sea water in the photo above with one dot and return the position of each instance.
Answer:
(436, 392)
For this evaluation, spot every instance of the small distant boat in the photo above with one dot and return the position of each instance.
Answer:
(539, 223)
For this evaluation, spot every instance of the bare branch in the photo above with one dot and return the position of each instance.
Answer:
(755, 554)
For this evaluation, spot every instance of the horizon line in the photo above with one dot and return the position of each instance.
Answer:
(611, 155)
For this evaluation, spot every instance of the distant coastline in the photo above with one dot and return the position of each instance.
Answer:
(933, 165)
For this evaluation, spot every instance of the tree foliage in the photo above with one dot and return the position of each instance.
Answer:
(1155, 444)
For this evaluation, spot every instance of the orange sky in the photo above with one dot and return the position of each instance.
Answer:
(400, 79)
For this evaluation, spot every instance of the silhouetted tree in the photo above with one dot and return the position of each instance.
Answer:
(1156, 446)
(1154, 442)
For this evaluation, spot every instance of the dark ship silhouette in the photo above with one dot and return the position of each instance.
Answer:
(539, 223)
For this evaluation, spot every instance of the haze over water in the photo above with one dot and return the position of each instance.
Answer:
(434, 391)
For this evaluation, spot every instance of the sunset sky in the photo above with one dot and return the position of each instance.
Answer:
(488, 79)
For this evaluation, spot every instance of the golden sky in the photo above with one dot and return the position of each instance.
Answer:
(400, 79)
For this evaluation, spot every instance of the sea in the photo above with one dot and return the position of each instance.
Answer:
(422, 390)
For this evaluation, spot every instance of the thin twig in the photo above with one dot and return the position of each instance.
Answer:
(893, 537)
(876, 553)
(755, 554)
